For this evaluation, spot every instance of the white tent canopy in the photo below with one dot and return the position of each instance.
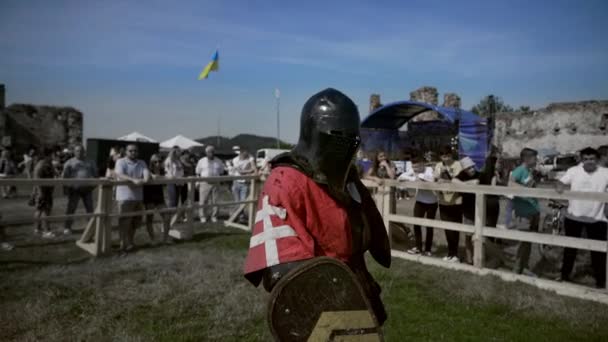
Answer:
(136, 136)
(180, 141)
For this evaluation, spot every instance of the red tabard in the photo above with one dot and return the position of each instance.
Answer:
(296, 220)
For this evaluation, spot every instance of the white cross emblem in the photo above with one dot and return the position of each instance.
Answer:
(270, 234)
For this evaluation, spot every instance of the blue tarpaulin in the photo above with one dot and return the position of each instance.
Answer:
(380, 130)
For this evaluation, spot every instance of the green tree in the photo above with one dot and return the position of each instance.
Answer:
(490, 104)
(524, 108)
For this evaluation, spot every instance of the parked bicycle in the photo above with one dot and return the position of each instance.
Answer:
(553, 223)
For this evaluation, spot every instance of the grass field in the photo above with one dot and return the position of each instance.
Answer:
(194, 291)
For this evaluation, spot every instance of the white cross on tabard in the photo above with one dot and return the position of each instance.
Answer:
(270, 234)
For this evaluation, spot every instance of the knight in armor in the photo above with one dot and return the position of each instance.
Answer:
(314, 205)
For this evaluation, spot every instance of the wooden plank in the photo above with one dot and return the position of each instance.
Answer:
(480, 222)
(253, 195)
(89, 247)
(190, 209)
(55, 218)
(237, 225)
(432, 223)
(481, 189)
(564, 289)
(547, 239)
(503, 190)
(106, 220)
(236, 213)
(105, 181)
(387, 202)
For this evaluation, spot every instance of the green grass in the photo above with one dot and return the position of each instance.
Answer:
(195, 292)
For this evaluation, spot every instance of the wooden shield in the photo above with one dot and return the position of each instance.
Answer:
(321, 300)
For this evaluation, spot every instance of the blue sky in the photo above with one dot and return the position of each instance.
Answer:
(132, 65)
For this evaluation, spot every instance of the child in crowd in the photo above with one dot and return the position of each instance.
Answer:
(525, 208)
(425, 206)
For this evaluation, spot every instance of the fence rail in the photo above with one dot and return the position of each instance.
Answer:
(385, 201)
(97, 236)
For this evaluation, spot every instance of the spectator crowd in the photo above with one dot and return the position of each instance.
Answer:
(124, 164)
(582, 216)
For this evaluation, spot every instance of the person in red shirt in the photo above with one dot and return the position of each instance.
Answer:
(313, 203)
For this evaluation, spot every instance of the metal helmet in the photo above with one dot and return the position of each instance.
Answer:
(329, 136)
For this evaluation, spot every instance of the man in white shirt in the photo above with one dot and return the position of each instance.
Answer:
(130, 197)
(242, 165)
(587, 176)
(209, 166)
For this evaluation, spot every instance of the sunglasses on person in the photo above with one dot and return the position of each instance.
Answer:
(132, 151)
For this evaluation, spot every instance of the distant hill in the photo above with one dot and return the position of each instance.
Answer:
(249, 141)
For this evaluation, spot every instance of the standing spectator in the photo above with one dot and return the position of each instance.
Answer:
(7, 169)
(363, 163)
(468, 175)
(29, 161)
(78, 168)
(450, 203)
(130, 197)
(115, 154)
(425, 206)
(5, 246)
(43, 194)
(242, 165)
(587, 176)
(57, 162)
(382, 168)
(154, 199)
(525, 207)
(189, 160)
(492, 174)
(209, 166)
(178, 193)
(603, 152)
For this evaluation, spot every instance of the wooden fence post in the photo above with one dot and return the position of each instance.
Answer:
(106, 220)
(606, 285)
(101, 230)
(190, 211)
(378, 198)
(253, 195)
(387, 204)
(480, 222)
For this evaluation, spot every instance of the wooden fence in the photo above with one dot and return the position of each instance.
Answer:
(97, 236)
(479, 231)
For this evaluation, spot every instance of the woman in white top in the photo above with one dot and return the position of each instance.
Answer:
(425, 206)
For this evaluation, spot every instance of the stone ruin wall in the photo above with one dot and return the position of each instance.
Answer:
(41, 126)
(23, 125)
(564, 127)
(374, 102)
(431, 95)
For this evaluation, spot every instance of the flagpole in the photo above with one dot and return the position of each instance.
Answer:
(218, 130)
(277, 95)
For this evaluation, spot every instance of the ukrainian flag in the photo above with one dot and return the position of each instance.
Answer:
(214, 65)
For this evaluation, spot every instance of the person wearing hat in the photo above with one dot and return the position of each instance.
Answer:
(450, 203)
